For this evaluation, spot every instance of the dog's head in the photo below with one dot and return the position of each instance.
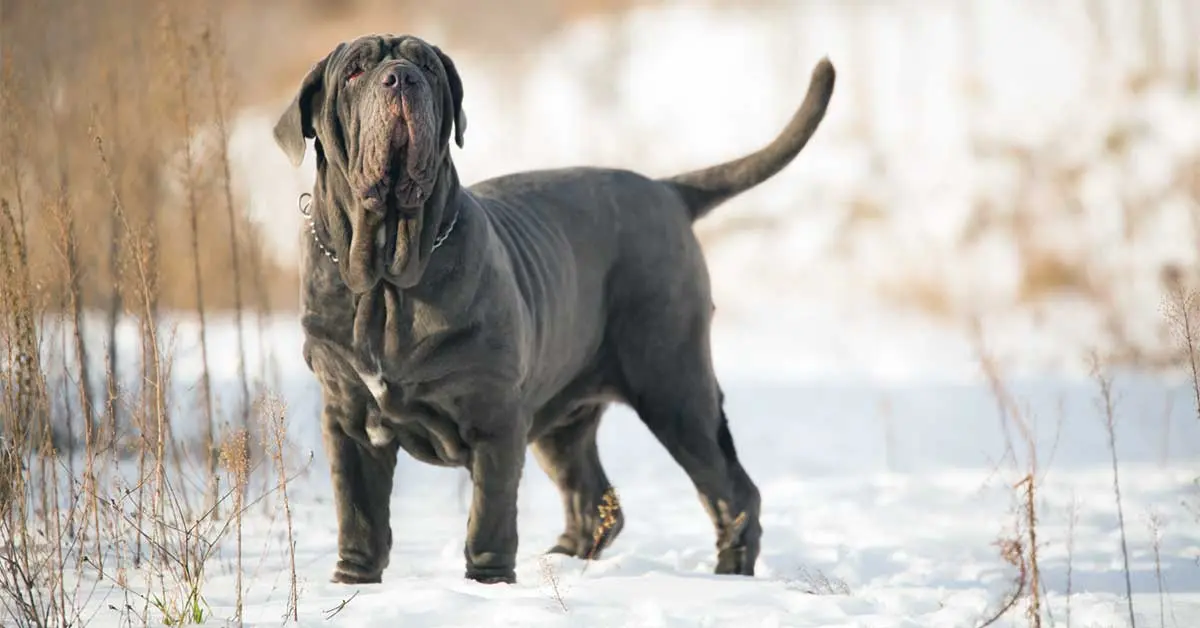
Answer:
(380, 110)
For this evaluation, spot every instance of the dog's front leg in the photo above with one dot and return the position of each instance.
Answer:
(497, 461)
(362, 489)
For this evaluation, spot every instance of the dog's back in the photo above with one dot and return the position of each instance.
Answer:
(601, 252)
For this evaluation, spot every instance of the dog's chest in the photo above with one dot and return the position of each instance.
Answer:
(379, 390)
(378, 431)
(424, 432)
(379, 342)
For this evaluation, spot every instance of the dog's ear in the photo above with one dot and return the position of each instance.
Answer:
(456, 95)
(296, 123)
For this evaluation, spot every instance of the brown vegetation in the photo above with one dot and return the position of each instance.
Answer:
(162, 80)
(72, 69)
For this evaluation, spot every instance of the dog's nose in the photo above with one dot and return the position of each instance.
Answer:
(398, 76)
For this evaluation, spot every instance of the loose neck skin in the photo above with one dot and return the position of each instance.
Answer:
(335, 228)
(461, 258)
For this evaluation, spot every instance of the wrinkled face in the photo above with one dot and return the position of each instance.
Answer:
(381, 110)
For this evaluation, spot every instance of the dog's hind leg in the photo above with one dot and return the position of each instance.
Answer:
(568, 454)
(675, 393)
(746, 495)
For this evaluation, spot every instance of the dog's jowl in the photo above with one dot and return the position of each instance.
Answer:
(464, 324)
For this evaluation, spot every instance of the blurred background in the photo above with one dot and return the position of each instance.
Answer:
(1019, 168)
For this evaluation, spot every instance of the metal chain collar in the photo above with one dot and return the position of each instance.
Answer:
(306, 211)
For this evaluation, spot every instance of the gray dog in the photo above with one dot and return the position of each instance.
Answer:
(464, 324)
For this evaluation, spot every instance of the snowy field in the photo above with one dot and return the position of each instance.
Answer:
(883, 501)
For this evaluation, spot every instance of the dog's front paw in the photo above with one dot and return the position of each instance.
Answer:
(348, 572)
(492, 576)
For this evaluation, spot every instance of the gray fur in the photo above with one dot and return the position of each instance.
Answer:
(556, 293)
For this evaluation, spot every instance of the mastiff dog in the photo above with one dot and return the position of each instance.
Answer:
(465, 324)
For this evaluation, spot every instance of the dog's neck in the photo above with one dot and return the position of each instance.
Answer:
(388, 321)
(458, 224)
(447, 203)
(451, 205)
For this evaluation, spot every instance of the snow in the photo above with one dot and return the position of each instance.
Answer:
(897, 488)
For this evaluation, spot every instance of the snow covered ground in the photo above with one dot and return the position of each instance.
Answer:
(894, 488)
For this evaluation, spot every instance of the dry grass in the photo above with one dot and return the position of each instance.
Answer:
(1180, 311)
(126, 72)
(1108, 410)
(1154, 522)
(1014, 554)
(235, 459)
(922, 293)
(1046, 273)
(609, 507)
(550, 579)
(607, 511)
(276, 428)
(42, 557)
(817, 582)
(330, 613)
(1020, 549)
(107, 175)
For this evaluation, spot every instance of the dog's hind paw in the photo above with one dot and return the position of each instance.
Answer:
(734, 561)
(736, 554)
(559, 548)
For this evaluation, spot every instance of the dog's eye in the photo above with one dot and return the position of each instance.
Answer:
(353, 75)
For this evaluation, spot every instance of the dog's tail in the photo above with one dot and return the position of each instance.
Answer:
(704, 189)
